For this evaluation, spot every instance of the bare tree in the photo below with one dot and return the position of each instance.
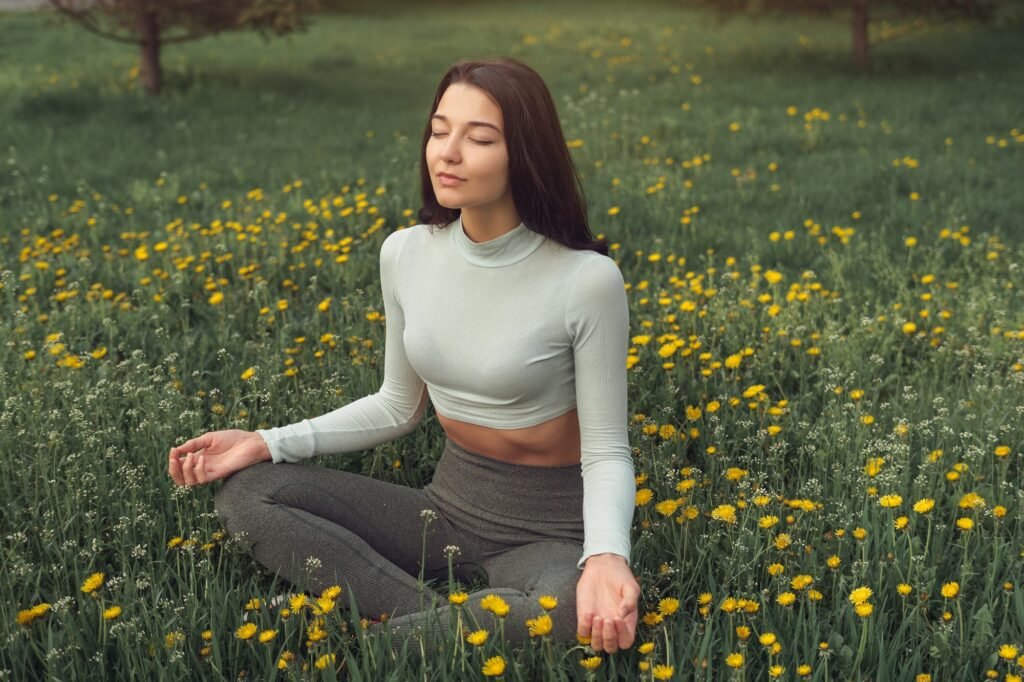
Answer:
(151, 24)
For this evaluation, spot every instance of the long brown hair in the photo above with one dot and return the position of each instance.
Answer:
(545, 185)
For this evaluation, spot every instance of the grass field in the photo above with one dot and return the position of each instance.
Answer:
(826, 374)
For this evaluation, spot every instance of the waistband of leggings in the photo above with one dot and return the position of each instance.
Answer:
(475, 484)
(528, 471)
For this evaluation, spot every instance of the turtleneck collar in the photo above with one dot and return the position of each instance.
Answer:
(509, 248)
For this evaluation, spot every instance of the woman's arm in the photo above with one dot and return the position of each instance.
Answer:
(597, 318)
(390, 413)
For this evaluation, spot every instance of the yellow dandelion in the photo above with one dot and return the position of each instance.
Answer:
(724, 512)
(246, 631)
(950, 589)
(734, 660)
(495, 605)
(332, 592)
(324, 661)
(767, 638)
(591, 663)
(477, 637)
(92, 583)
(112, 612)
(662, 671)
(890, 501)
(494, 666)
(860, 595)
(864, 610)
(267, 635)
(458, 598)
(539, 626)
(646, 648)
(668, 606)
(1008, 651)
(924, 505)
(547, 601)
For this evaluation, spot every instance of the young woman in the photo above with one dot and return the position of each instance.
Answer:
(504, 311)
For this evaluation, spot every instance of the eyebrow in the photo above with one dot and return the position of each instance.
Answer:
(471, 123)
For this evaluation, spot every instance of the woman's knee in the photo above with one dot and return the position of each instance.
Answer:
(241, 493)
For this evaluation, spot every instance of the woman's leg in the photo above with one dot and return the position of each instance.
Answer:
(519, 576)
(364, 534)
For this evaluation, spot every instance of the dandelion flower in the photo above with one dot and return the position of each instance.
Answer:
(591, 663)
(724, 512)
(890, 501)
(324, 661)
(734, 660)
(539, 626)
(495, 605)
(92, 583)
(477, 637)
(246, 631)
(646, 648)
(864, 610)
(767, 639)
(860, 595)
(1008, 651)
(924, 505)
(458, 598)
(950, 590)
(267, 635)
(643, 496)
(112, 612)
(331, 592)
(547, 602)
(26, 616)
(668, 606)
(662, 672)
(494, 666)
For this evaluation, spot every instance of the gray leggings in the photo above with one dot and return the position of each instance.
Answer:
(518, 529)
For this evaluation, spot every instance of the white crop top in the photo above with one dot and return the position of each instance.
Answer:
(506, 333)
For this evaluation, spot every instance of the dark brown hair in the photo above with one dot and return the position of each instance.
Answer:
(545, 185)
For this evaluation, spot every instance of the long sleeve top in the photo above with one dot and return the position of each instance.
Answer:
(506, 333)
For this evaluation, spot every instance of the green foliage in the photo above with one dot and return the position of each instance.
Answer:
(762, 196)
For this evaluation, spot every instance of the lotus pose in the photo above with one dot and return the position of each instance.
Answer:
(503, 310)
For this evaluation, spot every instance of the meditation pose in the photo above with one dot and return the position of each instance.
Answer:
(503, 310)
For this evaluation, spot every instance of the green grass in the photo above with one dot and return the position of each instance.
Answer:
(96, 179)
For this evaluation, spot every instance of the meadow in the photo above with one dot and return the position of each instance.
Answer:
(826, 371)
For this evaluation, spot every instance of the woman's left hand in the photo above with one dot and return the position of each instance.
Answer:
(606, 603)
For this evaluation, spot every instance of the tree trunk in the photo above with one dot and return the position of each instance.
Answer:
(149, 43)
(860, 33)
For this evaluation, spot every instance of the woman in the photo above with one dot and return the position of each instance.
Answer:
(504, 311)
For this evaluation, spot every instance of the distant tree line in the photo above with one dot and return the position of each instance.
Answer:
(858, 12)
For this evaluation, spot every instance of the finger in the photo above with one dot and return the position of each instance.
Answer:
(585, 623)
(197, 443)
(174, 469)
(624, 637)
(596, 634)
(188, 469)
(611, 642)
(200, 470)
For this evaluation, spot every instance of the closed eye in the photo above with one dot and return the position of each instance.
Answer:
(477, 141)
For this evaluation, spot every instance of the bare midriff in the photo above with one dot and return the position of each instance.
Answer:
(555, 442)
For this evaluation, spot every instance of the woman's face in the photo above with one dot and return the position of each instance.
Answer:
(467, 140)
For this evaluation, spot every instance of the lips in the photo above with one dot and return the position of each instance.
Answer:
(449, 176)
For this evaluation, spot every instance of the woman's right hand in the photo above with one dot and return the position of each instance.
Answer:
(215, 455)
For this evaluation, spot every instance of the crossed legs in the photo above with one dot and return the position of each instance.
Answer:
(367, 536)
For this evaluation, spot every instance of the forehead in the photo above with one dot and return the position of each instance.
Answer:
(462, 103)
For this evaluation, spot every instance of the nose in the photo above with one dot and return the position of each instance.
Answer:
(450, 150)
